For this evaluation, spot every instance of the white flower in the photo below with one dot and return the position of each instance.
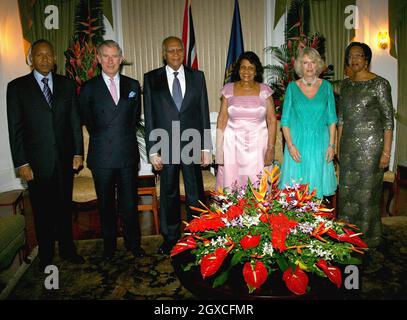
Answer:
(305, 227)
(218, 242)
(320, 251)
(268, 249)
(249, 220)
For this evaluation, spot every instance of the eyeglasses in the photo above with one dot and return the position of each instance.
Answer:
(356, 56)
(174, 50)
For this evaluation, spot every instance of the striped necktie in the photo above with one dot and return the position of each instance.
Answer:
(47, 91)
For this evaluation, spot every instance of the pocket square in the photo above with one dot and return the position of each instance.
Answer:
(132, 94)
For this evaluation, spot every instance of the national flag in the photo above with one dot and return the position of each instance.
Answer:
(235, 43)
(188, 37)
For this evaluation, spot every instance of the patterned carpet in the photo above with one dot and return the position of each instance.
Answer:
(153, 278)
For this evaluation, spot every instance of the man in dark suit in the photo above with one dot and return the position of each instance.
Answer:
(110, 106)
(46, 146)
(176, 103)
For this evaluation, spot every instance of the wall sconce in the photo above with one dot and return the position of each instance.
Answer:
(383, 39)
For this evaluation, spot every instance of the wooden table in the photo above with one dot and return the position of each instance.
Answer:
(13, 199)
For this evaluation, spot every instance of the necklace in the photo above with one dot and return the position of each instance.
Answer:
(309, 84)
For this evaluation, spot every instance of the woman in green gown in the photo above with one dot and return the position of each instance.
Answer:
(309, 127)
(365, 131)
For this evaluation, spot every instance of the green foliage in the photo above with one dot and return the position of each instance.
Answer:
(81, 62)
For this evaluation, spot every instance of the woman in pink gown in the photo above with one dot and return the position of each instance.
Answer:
(246, 125)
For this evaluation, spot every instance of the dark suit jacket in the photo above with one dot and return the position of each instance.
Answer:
(160, 109)
(41, 136)
(112, 129)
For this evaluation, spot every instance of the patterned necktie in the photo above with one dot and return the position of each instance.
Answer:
(47, 91)
(113, 90)
(176, 91)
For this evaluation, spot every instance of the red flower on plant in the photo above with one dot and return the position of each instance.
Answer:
(184, 244)
(281, 226)
(255, 275)
(333, 273)
(212, 262)
(353, 238)
(203, 223)
(297, 281)
(249, 241)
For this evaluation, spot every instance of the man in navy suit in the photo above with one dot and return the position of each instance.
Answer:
(46, 146)
(110, 108)
(176, 102)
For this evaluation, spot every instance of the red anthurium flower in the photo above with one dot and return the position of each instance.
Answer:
(353, 238)
(334, 273)
(212, 262)
(183, 245)
(296, 281)
(254, 276)
(249, 241)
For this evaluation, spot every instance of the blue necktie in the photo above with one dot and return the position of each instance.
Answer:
(47, 91)
(176, 91)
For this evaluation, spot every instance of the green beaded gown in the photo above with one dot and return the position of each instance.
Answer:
(365, 111)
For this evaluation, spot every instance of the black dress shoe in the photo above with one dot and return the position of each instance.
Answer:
(108, 256)
(74, 258)
(139, 252)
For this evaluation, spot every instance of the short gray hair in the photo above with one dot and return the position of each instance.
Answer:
(314, 56)
(109, 43)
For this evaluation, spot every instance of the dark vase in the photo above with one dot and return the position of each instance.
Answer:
(235, 287)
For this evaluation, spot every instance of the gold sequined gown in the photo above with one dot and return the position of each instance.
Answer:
(365, 111)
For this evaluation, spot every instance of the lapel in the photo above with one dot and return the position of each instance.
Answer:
(188, 89)
(56, 94)
(104, 92)
(124, 90)
(162, 84)
(37, 92)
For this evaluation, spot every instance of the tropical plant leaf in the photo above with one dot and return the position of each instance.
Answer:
(221, 279)
(237, 258)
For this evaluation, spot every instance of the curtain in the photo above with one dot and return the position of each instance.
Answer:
(327, 17)
(32, 20)
(398, 29)
(279, 10)
(146, 23)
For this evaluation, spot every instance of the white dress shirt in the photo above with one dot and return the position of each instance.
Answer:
(180, 76)
(38, 76)
(116, 79)
(170, 79)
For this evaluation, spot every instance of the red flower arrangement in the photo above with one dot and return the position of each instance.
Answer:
(266, 229)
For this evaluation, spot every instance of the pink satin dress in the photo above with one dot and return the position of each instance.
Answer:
(245, 138)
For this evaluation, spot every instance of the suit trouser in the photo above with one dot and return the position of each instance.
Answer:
(51, 201)
(170, 206)
(125, 179)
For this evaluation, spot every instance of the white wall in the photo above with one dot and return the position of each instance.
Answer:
(12, 65)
